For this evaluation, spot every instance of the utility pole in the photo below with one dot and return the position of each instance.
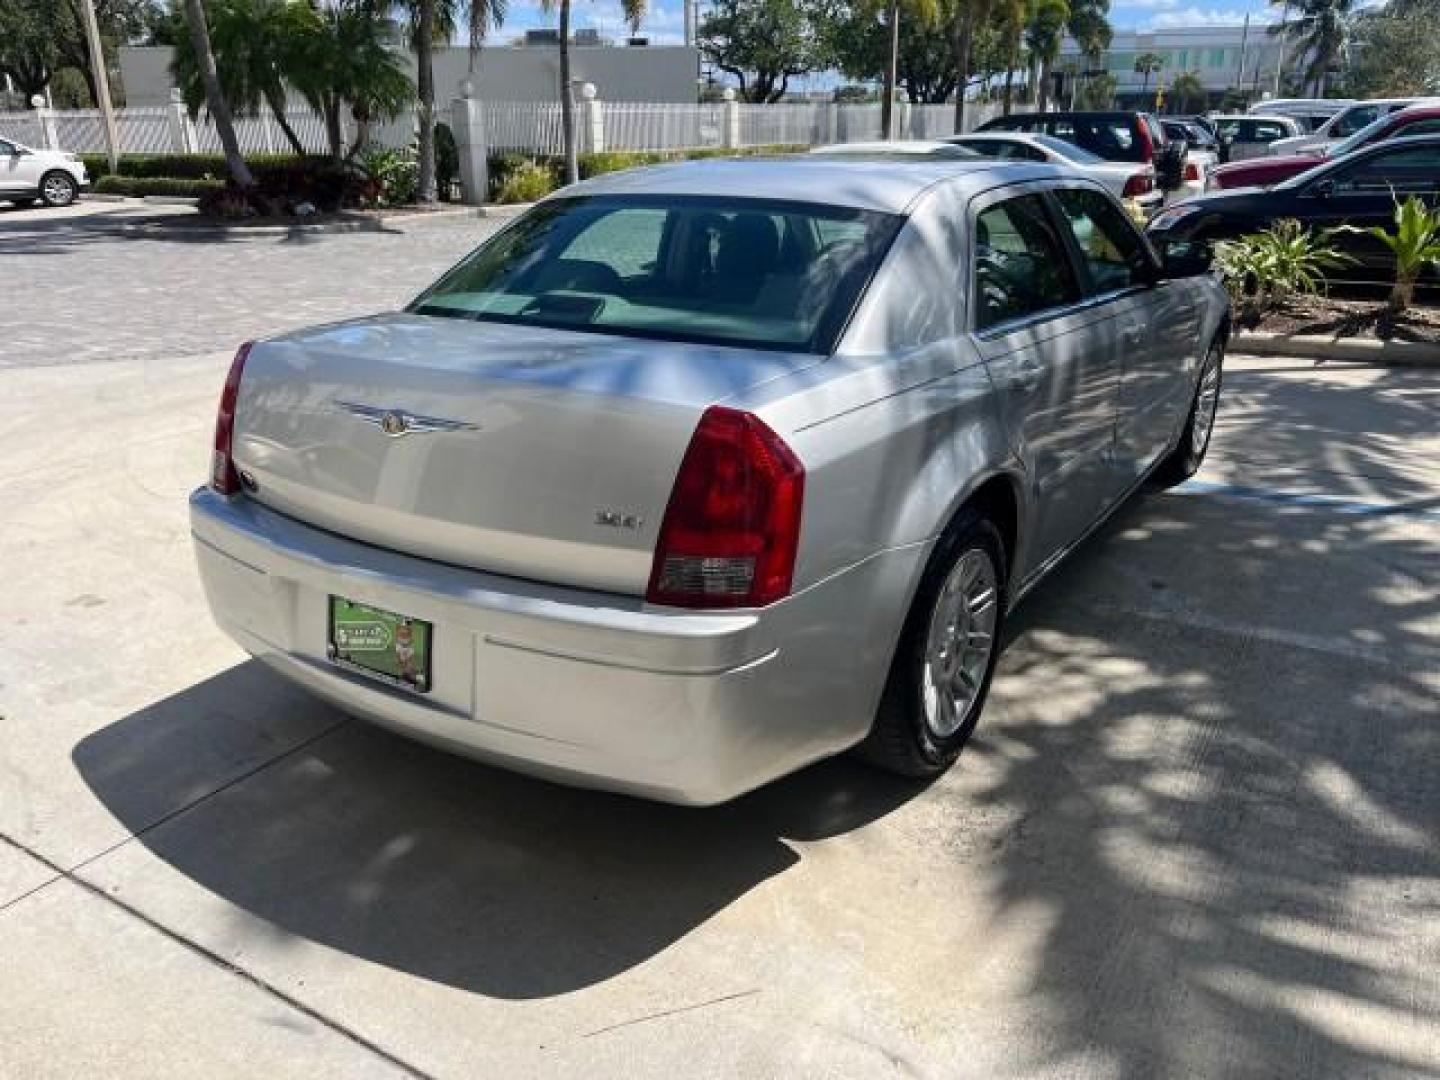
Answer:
(102, 81)
(1244, 40)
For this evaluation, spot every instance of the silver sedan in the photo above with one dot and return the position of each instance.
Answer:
(696, 474)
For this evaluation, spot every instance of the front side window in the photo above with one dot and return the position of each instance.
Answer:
(1020, 268)
(1267, 131)
(1113, 253)
(1410, 171)
(727, 271)
(1352, 120)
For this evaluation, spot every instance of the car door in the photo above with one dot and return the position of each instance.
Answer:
(1363, 194)
(1155, 325)
(1053, 361)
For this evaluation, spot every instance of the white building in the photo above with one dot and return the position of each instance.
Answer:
(1222, 56)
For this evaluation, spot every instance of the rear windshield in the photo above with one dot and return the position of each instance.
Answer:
(1113, 138)
(751, 272)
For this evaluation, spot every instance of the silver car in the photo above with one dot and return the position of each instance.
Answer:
(696, 474)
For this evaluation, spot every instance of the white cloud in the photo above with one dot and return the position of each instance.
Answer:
(1152, 5)
(1193, 16)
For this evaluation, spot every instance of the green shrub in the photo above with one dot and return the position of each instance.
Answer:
(186, 166)
(395, 175)
(1267, 268)
(524, 183)
(155, 185)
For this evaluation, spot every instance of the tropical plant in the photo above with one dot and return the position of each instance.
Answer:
(394, 174)
(254, 42)
(215, 94)
(1099, 92)
(1089, 26)
(1266, 269)
(1146, 65)
(1414, 242)
(346, 60)
(634, 12)
(433, 21)
(1188, 92)
(1321, 30)
(1010, 14)
(1044, 32)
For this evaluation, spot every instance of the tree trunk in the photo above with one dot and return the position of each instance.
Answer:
(277, 110)
(892, 65)
(567, 99)
(425, 86)
(1010, 87)
(214, 96)
(332, 128)
(964, 35)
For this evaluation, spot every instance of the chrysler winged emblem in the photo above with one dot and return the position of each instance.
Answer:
(398, 422)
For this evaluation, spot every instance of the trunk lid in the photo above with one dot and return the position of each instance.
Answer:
(545, 454)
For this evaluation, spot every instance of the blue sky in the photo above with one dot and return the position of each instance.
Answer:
(663, 25)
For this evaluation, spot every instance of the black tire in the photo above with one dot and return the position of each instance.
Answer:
(1184, 461)
(58, 188)
(901, 739)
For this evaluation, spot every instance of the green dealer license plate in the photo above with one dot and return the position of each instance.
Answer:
(393, 648)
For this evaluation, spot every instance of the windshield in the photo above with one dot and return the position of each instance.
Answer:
(728, 271)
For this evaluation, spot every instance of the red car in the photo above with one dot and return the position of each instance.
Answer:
(1267, 171)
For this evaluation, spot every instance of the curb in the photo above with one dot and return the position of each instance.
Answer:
(379, 223)
(1358, 350)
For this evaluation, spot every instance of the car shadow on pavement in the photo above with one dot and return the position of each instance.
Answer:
(442, 867)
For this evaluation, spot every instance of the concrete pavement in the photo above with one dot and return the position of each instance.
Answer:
(1196, 834)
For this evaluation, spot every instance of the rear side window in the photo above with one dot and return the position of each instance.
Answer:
(1021, 268)
(1419, 127)
(1113, 253)
(1352, 120)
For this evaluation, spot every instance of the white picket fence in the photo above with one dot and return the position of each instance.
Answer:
(524, 126)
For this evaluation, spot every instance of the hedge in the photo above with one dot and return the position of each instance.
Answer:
(155, 185)
(502, 165)
(187, 166)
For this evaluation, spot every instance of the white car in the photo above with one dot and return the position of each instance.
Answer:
(27, 174)
(1249, 135)
(1123, 179)
(1311, 113)
(1345, 123)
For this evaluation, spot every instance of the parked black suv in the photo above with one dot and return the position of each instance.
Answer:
(1114, 136)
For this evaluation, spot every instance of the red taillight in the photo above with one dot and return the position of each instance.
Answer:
(1192, 171)
(223, 477)
(732, 527)
(1142, 183)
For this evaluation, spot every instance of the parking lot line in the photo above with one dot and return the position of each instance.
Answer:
(1426, 509)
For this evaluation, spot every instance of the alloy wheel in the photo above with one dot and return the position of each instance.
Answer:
(960, 642)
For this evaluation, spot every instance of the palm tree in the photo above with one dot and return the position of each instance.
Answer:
(253, 42)
(1089, 25)
(1186, 90)
(344, 59)
(965, 17)
(214, 95)
(433, 21)
(1147, 64)
(634, 11)
(1322, 28)
(1043, 33)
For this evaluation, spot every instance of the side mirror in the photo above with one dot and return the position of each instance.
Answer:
(1186, 259)
(1322, 189)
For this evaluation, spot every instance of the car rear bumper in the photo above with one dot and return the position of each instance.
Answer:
(587, 688)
